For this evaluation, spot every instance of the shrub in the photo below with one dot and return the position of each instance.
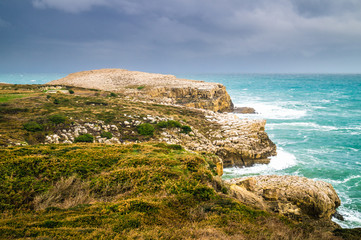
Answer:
(57, 118)
(113, 95)
(186, 129)
(175, 147)
(162, 124)
(33, 126)
(84, 138)
(107, 135)
(169, 124)
(56, 101)
(140, 87)
(48, 96)
(146, 129)
(71, 91)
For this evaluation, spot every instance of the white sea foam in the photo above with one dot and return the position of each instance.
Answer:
(352, 218)
(270, 111)
(282, 161)
(340, 181)
(303, 125)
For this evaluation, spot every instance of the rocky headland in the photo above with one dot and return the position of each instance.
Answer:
(237, 142)
(114, 106)
(156, 87)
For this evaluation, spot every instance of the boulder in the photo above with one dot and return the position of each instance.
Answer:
(292, 196)
(244, 110)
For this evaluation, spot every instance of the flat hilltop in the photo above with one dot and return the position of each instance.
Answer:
(117, 79)
(165, 89)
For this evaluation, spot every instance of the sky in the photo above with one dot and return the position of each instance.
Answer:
(181, 36)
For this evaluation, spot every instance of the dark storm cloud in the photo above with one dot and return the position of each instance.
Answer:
(188, 35)
(317, 8)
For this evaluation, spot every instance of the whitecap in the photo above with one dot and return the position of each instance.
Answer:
(340, 181)
(270, 111)
(303, 125)
(352, 218)
(32, 80)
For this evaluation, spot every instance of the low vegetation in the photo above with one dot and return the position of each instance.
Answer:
(135, 191)
(107, 135)
(84, 138)
(146, 129)
(127, 191)
(57, 111)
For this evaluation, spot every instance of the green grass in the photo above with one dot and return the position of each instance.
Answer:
(9, 97)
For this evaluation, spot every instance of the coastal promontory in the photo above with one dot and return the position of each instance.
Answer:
(98, 155)
(151, 86)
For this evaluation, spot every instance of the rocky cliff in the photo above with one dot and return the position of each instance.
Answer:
(156, 87)
(292, 196)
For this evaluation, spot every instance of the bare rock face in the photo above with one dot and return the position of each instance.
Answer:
(238, 142)
(241, 142)
(292, 196)
(156, 87)
(244, 110)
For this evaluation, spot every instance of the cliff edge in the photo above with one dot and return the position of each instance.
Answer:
(156, 87)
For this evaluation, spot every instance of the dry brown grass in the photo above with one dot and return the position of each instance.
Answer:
(66, 193)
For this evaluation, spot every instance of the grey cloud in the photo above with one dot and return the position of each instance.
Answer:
(182, 31)
(232, 27)
(319, 8)
(73, 6)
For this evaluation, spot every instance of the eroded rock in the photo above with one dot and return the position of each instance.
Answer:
(244, 110)
(292, 196)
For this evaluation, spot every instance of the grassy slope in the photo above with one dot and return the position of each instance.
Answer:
(94, 191)
(126, 191)
(83, 106)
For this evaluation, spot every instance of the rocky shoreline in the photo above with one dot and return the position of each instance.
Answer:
(58, 115)
(237, 142)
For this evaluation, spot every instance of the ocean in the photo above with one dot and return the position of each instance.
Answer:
(314, 119)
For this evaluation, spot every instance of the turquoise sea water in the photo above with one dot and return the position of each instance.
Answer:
(315, 120)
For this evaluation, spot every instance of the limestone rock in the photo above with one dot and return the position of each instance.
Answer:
(244, 110)
(291, 196)
(150, 86)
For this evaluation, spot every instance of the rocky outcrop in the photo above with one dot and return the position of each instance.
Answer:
(292, 196)
(238, 142)
(244, 110)
(241, 142)
(156, 87)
